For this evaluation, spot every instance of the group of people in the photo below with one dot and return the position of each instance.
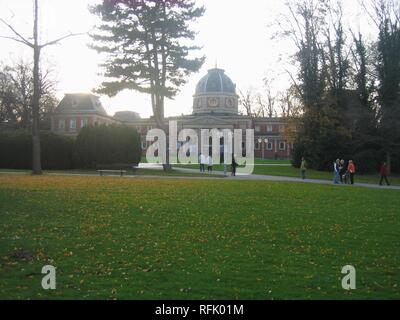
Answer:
(207, 161)
(344, 174)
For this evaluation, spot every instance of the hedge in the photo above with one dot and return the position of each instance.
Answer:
(16, 150)
(94, 146)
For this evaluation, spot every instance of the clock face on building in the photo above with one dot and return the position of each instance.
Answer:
(229, 103)
(213, 102)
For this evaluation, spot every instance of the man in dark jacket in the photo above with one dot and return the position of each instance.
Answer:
(384, 174)
(234, 165)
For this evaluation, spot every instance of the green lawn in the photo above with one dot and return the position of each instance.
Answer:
(195, 239)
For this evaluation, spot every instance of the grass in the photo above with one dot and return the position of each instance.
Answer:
(113, 238)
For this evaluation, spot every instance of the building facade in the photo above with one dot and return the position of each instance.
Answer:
(215, 106)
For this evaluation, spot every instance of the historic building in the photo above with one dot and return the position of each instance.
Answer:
(215, 105)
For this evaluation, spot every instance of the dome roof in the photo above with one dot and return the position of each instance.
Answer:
(215, 81)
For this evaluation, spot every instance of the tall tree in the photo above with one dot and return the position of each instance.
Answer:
(148, 48)
(322, 132)
(364, 125)
(336, 57)
(37, 48)
(387, 18)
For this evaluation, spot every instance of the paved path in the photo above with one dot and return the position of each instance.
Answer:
(216, 175)
(260, 177)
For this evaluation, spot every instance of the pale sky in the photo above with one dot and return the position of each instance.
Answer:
(235, 33)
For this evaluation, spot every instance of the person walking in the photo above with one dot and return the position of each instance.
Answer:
(202, 160)
(303, 168)
(384, 172)
(209, 164)
(336, 171)
(351, 168)
(234, 165)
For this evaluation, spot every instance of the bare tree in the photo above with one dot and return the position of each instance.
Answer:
(36, 47)
(16, 94)
(266, 101)
(247, 101)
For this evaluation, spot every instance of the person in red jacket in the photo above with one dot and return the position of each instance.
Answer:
(384, 174)
(351, 168)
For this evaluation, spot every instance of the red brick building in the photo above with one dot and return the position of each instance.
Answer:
(215, 105)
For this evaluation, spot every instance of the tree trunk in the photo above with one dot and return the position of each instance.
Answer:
(36, 161)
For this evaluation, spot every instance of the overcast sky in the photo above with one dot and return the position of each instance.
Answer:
(234, 34)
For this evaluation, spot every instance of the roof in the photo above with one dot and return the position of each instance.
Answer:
(80, 102)
(215, 81)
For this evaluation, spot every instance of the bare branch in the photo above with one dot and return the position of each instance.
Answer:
(14, 39)
(295, 83)
(21, 38)
(62, 38)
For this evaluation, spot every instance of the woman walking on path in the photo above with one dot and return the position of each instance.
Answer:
(384, 174)
(303, 168)
(351, 168)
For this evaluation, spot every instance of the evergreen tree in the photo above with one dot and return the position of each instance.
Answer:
(148, 47)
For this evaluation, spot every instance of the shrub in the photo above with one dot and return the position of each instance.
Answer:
(107, 145)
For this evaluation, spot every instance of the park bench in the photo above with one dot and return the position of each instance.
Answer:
(116, 168)
(120, 172)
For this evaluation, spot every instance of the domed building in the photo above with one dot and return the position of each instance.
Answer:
(215, 105)
(215, 93)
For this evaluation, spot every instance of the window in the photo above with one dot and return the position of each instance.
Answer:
(282, 145)
(281, 128)
(257, 145)
(257, 129)
(84, 123)
(269, 146)
(269, 128)
(72, 124)
(61, 124)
